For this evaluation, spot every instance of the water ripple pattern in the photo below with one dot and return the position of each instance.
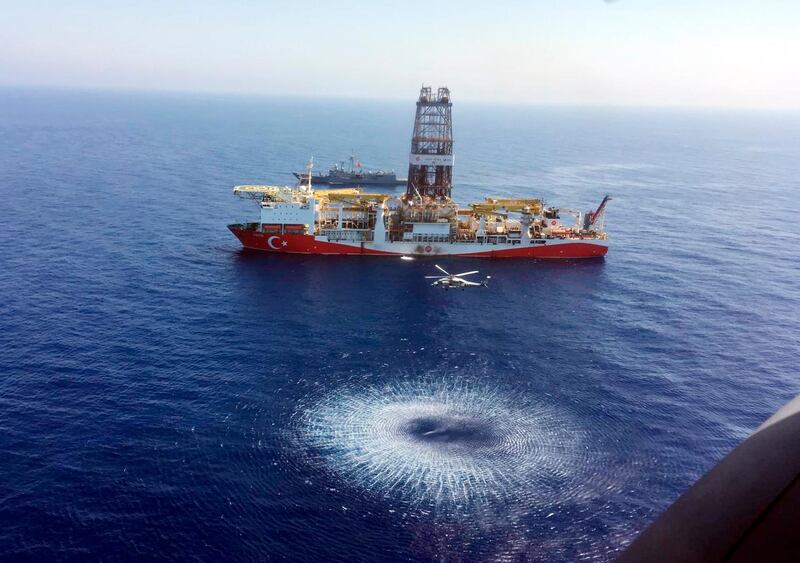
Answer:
(451, 442)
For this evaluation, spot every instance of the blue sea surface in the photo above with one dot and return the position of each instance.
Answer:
(166, 395)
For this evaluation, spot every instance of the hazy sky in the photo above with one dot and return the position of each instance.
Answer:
(642, 52)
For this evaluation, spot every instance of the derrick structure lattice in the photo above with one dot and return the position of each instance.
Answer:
(430, 168)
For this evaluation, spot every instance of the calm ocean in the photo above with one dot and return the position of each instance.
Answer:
(166, 395)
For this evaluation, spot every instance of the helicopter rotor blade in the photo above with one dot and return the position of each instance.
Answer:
(436, 277)
(467, 273)
(438, 267)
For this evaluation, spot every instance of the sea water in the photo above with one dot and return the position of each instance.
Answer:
(165, 394)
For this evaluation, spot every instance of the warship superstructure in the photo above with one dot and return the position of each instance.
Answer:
(354, 175)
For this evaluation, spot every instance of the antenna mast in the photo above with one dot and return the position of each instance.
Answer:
(309, 168)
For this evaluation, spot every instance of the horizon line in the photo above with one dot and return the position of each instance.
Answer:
(110, 89)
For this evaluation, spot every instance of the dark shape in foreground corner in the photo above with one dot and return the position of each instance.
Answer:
(747, 508)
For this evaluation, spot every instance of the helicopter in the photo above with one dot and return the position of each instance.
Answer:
(456, 281)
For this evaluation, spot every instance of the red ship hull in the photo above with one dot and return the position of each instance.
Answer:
(554, 249)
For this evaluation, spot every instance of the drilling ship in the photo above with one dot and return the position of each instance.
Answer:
(424, 221)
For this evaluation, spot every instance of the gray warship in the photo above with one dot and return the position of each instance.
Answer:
(355, 175)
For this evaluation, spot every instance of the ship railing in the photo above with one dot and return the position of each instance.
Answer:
(249, 226)
(352, 235)
(493, 239)
(422, 237)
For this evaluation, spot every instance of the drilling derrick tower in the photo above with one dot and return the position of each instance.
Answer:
(430, 168)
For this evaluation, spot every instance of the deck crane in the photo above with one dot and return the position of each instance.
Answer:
(594, 219)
